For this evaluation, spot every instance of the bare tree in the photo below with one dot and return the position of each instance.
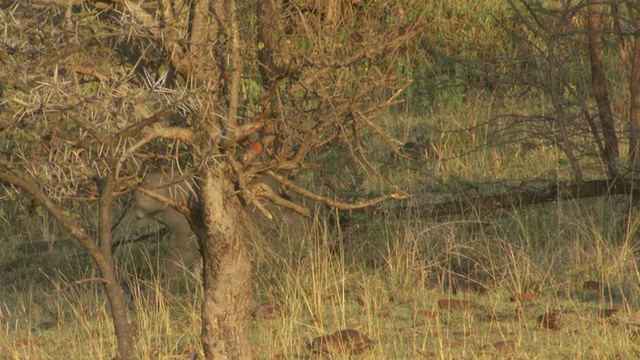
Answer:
(560, 37)
(94, 91)
(630, 42)
(610, 151)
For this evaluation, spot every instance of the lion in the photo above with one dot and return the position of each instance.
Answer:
(184, 251)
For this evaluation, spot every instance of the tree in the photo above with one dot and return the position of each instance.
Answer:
(95, 91)
(561, 39)
(630, 53)
(609, 146)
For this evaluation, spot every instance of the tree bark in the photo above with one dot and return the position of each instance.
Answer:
(226, 270)
(271, 52)
(634, 114)
(486, 204)
(107, 269)
(610, 153)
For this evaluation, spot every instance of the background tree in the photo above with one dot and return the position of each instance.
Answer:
(94, 91)
(581, 119)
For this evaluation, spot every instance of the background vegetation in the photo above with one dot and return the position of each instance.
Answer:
(489, 112)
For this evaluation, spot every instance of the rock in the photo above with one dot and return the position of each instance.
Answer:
(591, 285)
(268, 310)
(607, 313)
(551, 320)
(348, 341)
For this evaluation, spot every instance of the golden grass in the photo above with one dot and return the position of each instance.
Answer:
(382, 275)
(385, 281)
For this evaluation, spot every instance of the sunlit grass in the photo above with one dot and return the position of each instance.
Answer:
(382, 275)
(385, 281)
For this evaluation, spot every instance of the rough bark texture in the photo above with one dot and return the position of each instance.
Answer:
(108, 271)
(600, 92)
(270, 35)
(634, 116)
(226, 271)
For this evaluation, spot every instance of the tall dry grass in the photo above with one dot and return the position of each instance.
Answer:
(385, 280)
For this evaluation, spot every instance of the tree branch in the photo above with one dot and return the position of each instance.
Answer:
(399, 194)
(264, 191)
(182, 208)
(23, 181)
(182, 134)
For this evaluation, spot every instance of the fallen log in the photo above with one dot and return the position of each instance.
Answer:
(514, 199)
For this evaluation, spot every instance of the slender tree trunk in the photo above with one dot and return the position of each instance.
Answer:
(101, 254)
(273, 64)
(107, 268)
(611, 152)
(634, 114)
(271, 50)
(226, 270)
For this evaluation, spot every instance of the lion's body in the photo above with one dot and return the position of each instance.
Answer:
(184, 251)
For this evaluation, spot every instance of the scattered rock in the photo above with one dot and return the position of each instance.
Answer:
(591, 285)
(524, 297)
(268, 310)
(420, 149)
(471, 274)
(450, 304)
(348, 341)
(607, 313)
(551, 320)
(47, 325)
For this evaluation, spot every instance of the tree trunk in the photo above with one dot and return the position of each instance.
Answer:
(610, 153)
(107, 269)
(226, 270)
(271, 50)
(273, 64)
(101, 254)
(634, 115)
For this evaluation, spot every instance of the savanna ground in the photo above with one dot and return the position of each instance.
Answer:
(381, 273)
